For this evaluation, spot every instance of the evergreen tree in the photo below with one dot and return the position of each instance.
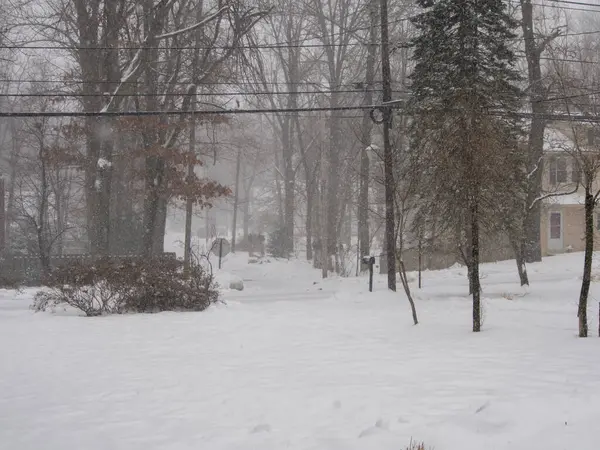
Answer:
(464, 95)
(277, 245)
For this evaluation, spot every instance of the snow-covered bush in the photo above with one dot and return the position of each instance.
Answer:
(115, 287)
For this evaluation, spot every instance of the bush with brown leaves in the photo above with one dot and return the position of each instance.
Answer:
(107, 286)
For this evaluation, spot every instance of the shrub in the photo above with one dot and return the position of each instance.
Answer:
(417, 446)
(114, 287)
(276, 246)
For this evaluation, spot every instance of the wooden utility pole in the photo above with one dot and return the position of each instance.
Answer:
(366, 128)
(388, 154)
(189, 205)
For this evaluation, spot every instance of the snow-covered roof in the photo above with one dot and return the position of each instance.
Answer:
(556, 141)
(568, 199)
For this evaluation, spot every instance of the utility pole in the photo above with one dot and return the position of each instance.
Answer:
(366, 128)
(189, 205)
(388, 156)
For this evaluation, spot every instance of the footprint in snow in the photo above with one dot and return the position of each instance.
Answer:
(262, 428)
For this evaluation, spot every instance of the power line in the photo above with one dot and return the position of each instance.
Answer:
(567, 97)
(273, 45)
(298, 43)
(183, 94)
(241, 47)
(225, 94)
(182, 83)
(569, 8)
(214, 47)
(549, 58)
(569, 2)
(184, 113)
(520, 115)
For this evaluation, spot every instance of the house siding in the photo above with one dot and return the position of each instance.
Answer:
(573, 224)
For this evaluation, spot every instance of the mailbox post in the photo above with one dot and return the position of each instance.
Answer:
(369, 261)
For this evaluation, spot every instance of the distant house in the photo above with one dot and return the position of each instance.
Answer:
(563, 218)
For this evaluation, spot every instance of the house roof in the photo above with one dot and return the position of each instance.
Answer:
(556, 141)
(577, 198)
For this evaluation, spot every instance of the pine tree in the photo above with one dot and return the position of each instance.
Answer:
(464, 89)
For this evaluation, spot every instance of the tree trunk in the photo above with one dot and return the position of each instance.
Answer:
(279, 190)
(189, 204)
(333, 164)
(91, 192)
(475, 282)
(324, 217)
(42, 219)
(236, 200)
(404, 280)
(533, 52)
(309, 212)
(246, 222)
(521, 267)
(59, 196)
(310, 178)
(587, 264)
(103, 186)
(152, 203)
(288, 179)
(10, 207)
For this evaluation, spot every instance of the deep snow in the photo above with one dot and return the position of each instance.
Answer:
(300, 363)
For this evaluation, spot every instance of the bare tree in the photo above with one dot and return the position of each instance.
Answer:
(41, 201)
(535, 45)
(578, 87)
(335, 21)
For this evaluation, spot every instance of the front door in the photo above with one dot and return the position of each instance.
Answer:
(555, 232)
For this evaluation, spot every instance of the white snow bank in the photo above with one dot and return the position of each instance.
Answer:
(227, 280)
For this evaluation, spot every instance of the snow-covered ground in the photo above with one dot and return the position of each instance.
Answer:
(293, 362)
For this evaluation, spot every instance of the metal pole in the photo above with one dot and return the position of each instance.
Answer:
(388, 157)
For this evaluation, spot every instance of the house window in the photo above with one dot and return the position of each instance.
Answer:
(558, 170)
(555, 225)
